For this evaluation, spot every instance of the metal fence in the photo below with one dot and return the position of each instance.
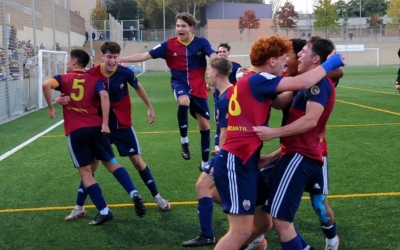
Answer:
(26, 26)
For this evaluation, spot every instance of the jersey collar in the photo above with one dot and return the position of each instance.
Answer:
(105, 74)
(190, 40)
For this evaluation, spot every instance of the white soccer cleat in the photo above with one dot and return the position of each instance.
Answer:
(332, 247)
(260, 243)
(75, 214)
(162, 204)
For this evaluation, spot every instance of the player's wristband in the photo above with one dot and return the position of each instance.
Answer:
(332, 63)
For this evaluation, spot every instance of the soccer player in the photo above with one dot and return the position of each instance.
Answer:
(122, 135)
(185, 55)
(236, 171)
(397, 84)
(85, 128)
(302, 156)
(223, 51)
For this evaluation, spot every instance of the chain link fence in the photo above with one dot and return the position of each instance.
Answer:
(27, 26)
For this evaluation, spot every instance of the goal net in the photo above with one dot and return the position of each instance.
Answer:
(49, 63)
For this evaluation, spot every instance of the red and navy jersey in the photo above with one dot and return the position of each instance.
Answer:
(249, 105)
(232, 75)
(83, 110)
(117, 86)
(223, 107)
(308, 143)
(187, 62)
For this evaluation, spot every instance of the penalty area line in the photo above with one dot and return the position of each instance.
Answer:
(12, 151)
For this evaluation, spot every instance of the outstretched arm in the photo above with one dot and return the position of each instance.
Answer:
(140, 57)
(142, 94)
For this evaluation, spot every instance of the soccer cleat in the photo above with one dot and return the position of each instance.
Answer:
(332, 247)
(163, 204)
(75, 214)
(140, 209)
(260, 243)
(100, 219)
(199, 241)
(186, 151)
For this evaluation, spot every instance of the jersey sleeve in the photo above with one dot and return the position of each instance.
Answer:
(223, 106)
(100, 86)
(159, 51)
(263, 85)
(56, 82)
(320, 92)
(207, 47)
(132, 80)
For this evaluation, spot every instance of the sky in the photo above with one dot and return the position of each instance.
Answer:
(301, 5)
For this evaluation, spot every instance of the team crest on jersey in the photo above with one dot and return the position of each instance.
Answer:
(121, 86)
(314, 90)
(267, 75)
(246, 205)
(180, 92)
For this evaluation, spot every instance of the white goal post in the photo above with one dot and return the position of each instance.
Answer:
(357, 54)
(50, 63)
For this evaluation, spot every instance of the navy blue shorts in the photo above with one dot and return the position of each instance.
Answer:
(126, 141)
(85, 144)
(264, 183)
(293, 173)
(197, 105)
(237, 182)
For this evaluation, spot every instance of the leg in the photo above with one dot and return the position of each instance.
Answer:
(240, 226)
(205, 208)
(183, 121)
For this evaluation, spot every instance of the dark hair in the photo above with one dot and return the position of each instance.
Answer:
(187, 18)
(111, 47)
(298, 45)
(81, 56)
(222, 65)
(225, 45)
(267, 47)
(321, 47)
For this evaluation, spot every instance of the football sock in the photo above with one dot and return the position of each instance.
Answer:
(148, 179)
(96, 196)
(105, 211)
(330, 233)
(205, 211)
(304, 244)
(124, 179)
(81, 196)
(293, 244)
(183, 120)
(205, 144)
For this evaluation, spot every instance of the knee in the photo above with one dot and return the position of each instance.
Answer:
(137, 162)
(183, 100)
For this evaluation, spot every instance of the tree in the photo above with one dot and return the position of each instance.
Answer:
(325, 14)
(99, 13)
(393, 13)
(287, 17)
(376, 24)
(123, 9)
(342, 8)
(368, 8)
(248, 21)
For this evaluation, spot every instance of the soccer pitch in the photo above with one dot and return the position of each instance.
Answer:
(38, 183)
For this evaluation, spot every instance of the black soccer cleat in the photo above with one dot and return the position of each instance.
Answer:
(186, 151)
(140, 209)
(200, 241)
(101, 219)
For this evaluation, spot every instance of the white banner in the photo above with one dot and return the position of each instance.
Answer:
(350, 47)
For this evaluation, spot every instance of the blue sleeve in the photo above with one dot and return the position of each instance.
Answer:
(207, 47)
(58, 79)
(223, 106)
(159, 51)
(100, 86)
(320, 92)
(132, 80)
(263, 85)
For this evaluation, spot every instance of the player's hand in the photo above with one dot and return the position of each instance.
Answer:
(52, 113)
(151, 115)
(63, 99)
(265, 133)
(209, 88)
(105, 130)
(341, 56)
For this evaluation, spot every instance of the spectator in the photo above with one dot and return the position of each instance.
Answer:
(93, 36)
(42, 46)
(309, 35)
(58, 48)
(351, 36)
(303, 35)
(101, 37)
(87, 36)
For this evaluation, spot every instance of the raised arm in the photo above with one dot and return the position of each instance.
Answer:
(140, 57)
